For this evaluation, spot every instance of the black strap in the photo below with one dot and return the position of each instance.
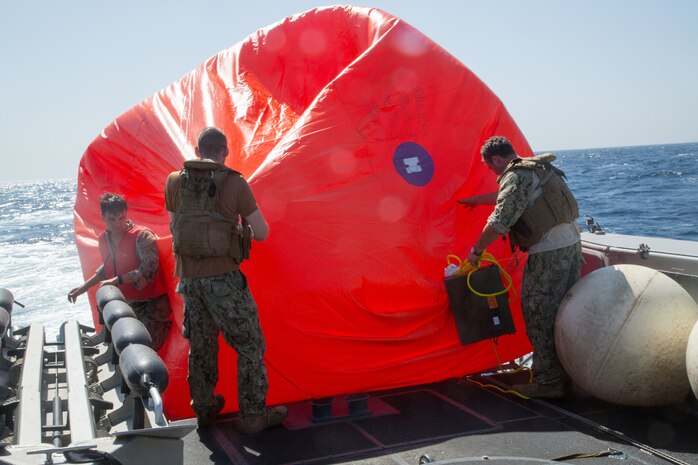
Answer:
(588, 455)
(90, 456)
(112, 251)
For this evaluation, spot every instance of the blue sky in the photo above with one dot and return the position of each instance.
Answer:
(582, 74)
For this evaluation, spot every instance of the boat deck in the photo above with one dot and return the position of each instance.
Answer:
(458, 421)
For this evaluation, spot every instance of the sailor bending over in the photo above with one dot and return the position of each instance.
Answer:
(537, 209)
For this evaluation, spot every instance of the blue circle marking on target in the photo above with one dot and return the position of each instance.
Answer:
(413, 163)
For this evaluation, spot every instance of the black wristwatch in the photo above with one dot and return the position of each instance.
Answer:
(475, 252)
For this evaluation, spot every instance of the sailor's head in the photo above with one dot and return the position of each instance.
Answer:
(114, 208)
(497, 152)
(212, 144)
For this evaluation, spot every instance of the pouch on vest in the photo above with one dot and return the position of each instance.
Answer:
(245, 240)
(199, 230)
(478, 318)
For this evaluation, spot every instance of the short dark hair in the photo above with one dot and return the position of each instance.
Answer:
(496, 145)
(211, 141)
(112, 203)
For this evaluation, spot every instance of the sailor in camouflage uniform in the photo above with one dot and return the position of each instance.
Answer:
(224, 302)
(537, 209)
(130, 261)
(213, 216)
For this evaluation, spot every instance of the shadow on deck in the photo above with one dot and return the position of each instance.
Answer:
(458, 421)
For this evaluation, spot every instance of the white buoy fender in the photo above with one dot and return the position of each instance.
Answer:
(621, 333)
(692, 360)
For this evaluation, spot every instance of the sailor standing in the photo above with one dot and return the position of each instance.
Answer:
(537, 209)
(210, 208)
(131, 262)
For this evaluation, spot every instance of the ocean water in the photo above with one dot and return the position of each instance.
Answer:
(644, 190)
(39, 263)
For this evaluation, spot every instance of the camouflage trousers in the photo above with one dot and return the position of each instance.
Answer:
(223, 304)
(156, 315)
(547, 278)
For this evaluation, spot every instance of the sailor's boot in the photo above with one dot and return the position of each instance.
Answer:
(251, 424)
(206, 416)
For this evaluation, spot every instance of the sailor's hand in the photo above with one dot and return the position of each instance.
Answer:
(468, 202)
(73, 294)
(474, 257)
(482, 199)
(110, 282)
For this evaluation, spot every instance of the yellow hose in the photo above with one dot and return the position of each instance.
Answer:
(465, 268)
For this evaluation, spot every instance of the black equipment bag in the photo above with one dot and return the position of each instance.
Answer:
(479, 318)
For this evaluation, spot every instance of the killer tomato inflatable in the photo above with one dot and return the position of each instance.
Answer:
(357, 134)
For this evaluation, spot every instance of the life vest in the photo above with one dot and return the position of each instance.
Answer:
(199, 230)
(126, 259)
(556, 205)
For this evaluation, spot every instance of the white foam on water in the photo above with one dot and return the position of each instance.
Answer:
(39, 262)
(40, 276)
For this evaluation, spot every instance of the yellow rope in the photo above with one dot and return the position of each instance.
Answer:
(510, 391)
(465, 268)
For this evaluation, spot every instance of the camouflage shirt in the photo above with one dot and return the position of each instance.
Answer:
(514, 195)
(147, 252)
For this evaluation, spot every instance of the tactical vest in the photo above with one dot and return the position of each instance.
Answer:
(199, 230)
(556, 205)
